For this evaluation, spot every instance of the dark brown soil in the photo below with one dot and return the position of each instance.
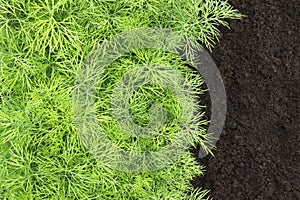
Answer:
(258, 154)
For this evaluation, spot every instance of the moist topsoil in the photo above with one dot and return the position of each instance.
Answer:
(258, 154)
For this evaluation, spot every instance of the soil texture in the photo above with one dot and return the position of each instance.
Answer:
(258, 154)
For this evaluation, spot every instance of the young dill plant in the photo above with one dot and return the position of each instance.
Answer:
(43, 44)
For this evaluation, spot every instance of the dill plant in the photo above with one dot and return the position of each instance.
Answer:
(43, 43)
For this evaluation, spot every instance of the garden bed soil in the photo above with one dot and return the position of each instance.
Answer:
(258, 154)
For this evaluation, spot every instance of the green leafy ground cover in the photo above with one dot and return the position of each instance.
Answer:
(43, 44)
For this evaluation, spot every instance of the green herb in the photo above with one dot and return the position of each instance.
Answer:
(43, 43)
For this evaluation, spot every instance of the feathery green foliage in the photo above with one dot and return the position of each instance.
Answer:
(43, 43)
